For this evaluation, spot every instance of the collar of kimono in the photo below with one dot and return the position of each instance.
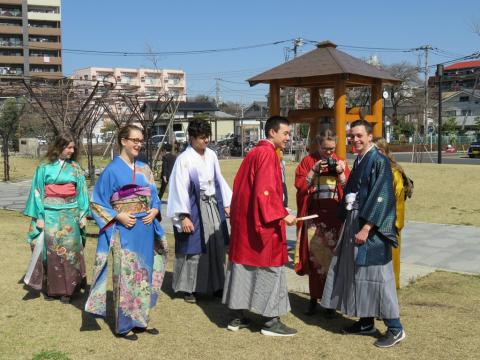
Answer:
(360, 158)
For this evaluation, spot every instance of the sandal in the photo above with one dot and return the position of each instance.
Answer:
(151, 331)
(128, 336)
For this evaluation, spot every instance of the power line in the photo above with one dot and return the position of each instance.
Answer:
(170, 53)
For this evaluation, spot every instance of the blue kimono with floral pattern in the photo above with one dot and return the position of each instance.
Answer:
(137, 272)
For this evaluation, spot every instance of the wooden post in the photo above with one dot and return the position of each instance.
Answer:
(376, 104)
(314, 105)
(340, 117)
(274, 98)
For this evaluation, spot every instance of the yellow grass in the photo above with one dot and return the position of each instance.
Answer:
(440, 314)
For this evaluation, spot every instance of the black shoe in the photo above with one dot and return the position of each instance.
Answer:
(237, 324)
(128, 336)
(360, 328)
(46, 297)
(151, 331)
(190, 298)
(390, 338)
(312, 306)
(329, 314)
(83, 284)
(65, 299)
(278, 329)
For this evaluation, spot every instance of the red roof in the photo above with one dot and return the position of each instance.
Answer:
(463, 65)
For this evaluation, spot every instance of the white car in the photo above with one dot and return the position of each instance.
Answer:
(180, 137)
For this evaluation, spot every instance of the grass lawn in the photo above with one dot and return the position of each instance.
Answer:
(439, 312)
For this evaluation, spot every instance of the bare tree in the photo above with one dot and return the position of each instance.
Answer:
(10, 113)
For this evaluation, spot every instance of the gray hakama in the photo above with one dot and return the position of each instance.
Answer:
(261, 290)
(203, 273)
(359, 291)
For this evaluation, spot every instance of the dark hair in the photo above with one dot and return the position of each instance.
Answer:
(199, 127)
(59, 144)
(274, 122)
(360, 122)
(124, 132)
(326, 135)
(167, 147)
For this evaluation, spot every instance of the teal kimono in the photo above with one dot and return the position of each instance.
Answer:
(58, 197)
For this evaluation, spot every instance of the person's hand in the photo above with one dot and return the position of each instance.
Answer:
(187, 226)
(290, 220)
(340, 167)
(151, 214)
(165, 179)
(83, 222)
(320, 165)
(227, 211)
(127, 220)
(40, 224)
(362, 236)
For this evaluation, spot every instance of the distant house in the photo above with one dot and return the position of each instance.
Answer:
(253, 121)
(222, 123)
(462, 105)
(458, 76)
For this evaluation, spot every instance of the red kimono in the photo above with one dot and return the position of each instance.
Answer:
(258, 236)
(319, 236)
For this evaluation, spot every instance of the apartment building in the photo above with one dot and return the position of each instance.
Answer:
(147, 83)
(30, 39)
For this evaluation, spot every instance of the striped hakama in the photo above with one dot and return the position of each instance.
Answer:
(203, 273)
(359, 291)
(261, 290)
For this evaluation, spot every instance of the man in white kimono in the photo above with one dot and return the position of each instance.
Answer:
(198, 203)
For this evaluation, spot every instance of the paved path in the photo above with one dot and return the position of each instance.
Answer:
(425, 247)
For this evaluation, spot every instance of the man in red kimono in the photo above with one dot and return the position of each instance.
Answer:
(255, 278)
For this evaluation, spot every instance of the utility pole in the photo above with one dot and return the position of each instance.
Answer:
(297, 42)
(217, 91)
(425, 49)
(439, 141)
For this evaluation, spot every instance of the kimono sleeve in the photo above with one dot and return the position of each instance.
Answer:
(34, 205)
(225, 188)
(399, 199)
(102, 210)
(379, 206)
(155, 200)
(178, 191)
(267, 189)
(82, 194)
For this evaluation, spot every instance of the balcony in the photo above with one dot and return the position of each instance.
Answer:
(51, 3)
(6, 43)
(47, 74)
(44, 31)
(10, 29)
(40, 60)
(11, 59)
(45, 45)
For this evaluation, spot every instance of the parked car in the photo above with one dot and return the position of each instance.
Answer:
(474, 149)
(157, 140)
(180, 137)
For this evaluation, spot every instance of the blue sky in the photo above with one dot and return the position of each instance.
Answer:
(211, 24)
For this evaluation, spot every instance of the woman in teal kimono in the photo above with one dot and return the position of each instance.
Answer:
(125, 205)
(58, 206)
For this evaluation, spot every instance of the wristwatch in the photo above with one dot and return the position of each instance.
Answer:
(183, 216)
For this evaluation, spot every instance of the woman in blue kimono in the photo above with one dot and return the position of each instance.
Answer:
(125, 205)
(58, 206)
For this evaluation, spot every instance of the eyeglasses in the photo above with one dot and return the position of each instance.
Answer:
(328, 148)
(136, 141)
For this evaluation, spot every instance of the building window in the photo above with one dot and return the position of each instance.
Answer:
(463, 98)
(466, 112)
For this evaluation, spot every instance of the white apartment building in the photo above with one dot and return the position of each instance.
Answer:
(147, 83)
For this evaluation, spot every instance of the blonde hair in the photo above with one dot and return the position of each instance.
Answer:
(382, 144)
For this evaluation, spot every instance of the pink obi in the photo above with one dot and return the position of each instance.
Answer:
(60, 190)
